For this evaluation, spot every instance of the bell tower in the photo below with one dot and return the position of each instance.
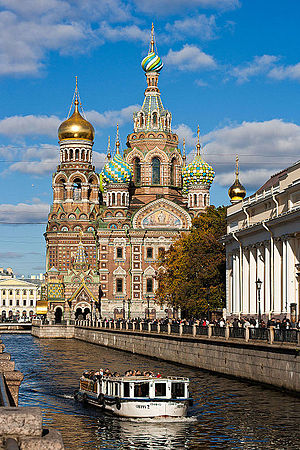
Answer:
(75, 192)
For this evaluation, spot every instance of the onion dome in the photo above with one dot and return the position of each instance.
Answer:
(116, 170)
(76, 127)
(237, 191)
(152, 62)
(198, 171)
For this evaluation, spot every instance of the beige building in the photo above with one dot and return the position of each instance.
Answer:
(18, 298)
(262, 243)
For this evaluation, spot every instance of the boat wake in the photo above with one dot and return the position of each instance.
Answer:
(161, 420)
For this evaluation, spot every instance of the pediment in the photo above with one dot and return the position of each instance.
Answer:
(161, 214)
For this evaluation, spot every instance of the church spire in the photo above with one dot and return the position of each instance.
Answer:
(198, 146)
(237, 191)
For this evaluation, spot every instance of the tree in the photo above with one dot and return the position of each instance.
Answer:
(192, 271)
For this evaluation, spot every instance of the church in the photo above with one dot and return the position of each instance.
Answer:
(105, 231)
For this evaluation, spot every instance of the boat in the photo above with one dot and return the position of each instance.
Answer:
(136, 396)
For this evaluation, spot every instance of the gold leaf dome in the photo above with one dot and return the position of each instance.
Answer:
(237, 192)
(76, 127)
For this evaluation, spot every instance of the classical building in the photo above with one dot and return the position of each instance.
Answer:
(105, 232)
(263, 244)
(18, 298)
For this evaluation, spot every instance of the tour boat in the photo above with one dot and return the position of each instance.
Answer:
(136, 396)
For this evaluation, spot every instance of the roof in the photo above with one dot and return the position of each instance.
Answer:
(14, 282)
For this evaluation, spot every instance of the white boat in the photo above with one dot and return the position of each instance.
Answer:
(136, 396)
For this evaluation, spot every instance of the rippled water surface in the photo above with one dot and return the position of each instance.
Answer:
(227, 414)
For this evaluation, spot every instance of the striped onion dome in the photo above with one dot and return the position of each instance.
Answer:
(116, 170)
(197, 172)
(152, 63)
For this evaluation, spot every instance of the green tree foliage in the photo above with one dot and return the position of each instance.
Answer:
(193, 273)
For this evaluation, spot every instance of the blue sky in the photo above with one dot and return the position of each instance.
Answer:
(231, 66)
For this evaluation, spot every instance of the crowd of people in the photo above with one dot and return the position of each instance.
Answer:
(98, 374)
(242, 322)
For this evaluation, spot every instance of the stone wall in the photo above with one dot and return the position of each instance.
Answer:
(52, 331)
(277, 365)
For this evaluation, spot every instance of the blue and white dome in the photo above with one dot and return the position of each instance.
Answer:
(116, 170)
(197, 172)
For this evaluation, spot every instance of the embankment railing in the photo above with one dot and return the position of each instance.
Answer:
(270, 335)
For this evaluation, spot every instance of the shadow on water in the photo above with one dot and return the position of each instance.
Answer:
(227, 414)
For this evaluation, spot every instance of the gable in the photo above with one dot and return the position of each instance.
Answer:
(162, 214)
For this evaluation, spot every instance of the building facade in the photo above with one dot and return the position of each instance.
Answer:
(263, 244)
(105, 231)
(18, 299)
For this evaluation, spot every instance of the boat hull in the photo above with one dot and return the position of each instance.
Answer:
(138, 408)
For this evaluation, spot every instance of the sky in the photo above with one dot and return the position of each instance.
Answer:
(231, 66)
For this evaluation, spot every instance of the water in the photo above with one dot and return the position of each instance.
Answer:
(227, 414)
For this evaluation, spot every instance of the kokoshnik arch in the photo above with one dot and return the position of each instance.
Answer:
(105, 231)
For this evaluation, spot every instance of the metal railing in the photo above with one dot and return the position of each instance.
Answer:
(259, 333)
(237, 332)
(270, 335)
(282, 335)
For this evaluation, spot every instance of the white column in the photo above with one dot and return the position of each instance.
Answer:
(252, 279)
(245, 289)
(267, 279)
(236, 283)
(260, 261)
(291, 272)
(277, 276)
(284, 275)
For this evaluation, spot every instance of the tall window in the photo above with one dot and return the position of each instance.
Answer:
(119, 252)
(172, 172)
(77, 189)
(141, 119)
(137, 170)
(154, 119)
(149, 252)
(155, 170)
(149, 285)
(119, 285)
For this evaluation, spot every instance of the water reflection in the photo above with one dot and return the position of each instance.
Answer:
(226, 413)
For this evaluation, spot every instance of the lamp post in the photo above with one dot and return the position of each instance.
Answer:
(124, 309)
(258, 283)
(148, 306)
(129, 304)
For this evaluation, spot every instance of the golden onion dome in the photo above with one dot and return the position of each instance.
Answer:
(237, 192)
(76, 127)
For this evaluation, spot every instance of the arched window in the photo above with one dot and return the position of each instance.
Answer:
(141, 120)
(155, 170)
(154, 119)
(77, 154)
(195, 200)
(137, 170)
(77, 189)
(172, 172)
(71, 154)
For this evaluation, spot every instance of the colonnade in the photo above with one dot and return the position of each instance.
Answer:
(273, 262)
(75, 154)
(198, 200)
(117, 198)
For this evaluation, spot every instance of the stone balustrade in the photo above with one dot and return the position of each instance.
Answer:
(270, 335)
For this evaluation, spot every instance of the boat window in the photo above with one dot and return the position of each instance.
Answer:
(160, 389)
(126, 390)
(116, 389)
(141, 389)
(177, 390)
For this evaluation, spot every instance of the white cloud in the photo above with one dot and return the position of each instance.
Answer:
(36, 160)
(166, 6)
(291, 72)
(111, 118)
(260, 65)
(29, 125)
(123, 33)
(189, 57)
(263, 147)
(24, 213)
(99, 159)
(201, 26)
(185, 132)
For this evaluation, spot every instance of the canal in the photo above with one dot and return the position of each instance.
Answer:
(227, 414)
